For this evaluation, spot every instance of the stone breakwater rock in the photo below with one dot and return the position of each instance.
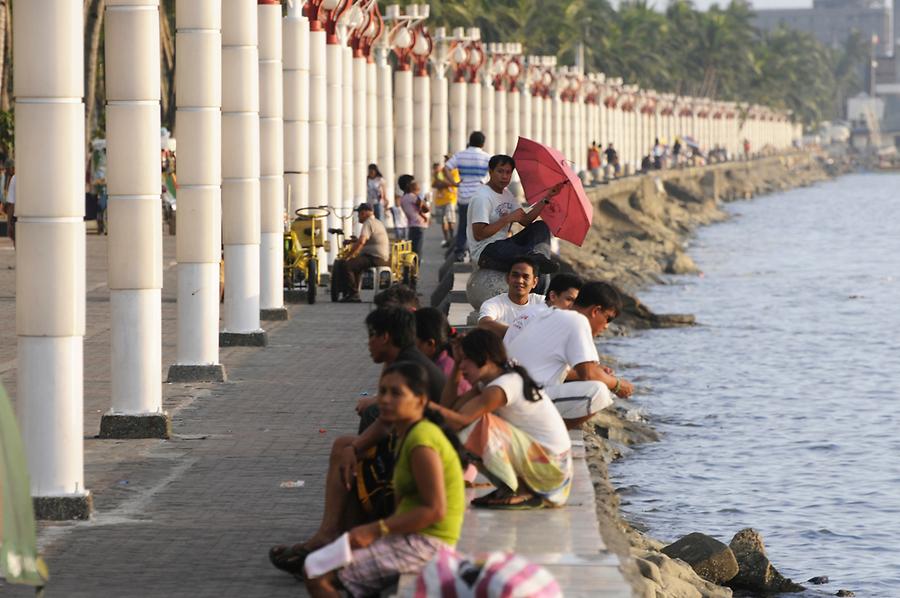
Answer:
(669, 578)
(712, 560)
(756, 572)
(484, 284)
(845, 593)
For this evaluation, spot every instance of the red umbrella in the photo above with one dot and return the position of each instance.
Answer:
(540, 168)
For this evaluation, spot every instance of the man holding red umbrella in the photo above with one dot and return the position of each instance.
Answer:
(492, 213)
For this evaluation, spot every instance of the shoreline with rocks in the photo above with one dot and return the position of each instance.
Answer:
(639, 237)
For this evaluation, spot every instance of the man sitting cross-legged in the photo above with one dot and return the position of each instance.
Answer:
(557, 348)
(357, 484)
(497, 313)
(561, 294)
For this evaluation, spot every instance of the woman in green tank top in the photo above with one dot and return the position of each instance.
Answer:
(428, 486)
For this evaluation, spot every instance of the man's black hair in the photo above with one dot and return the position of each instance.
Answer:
(404, 181)
(398, 323)
(476, 139)
(500, 160)
(563, 282)
(397, 295)
(524, 259)
(601, 294)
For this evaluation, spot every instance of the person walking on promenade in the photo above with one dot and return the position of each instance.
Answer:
(9, 202)
(371, 248)
(428, 486)
(612, 157)
(557, 347)
(510, 426)
(444, 193)
(376, 193)
(676, 151)
(472, 166)
(498, 313)
(398, 217)
(593, 163)
(493, 212)
(416, 210)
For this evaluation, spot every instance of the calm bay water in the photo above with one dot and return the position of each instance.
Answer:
(781, 410)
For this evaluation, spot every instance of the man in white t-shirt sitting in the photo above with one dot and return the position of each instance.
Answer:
(493, 210)
(497, 313)
(557, 348)
(561, 294)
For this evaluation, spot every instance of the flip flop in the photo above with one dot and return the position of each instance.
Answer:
(289, 558)
(496, 500)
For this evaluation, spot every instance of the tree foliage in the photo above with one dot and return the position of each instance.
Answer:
(715, 53)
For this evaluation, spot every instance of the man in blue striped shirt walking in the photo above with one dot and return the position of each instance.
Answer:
(472, 164)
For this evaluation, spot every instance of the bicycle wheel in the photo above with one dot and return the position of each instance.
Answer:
(312, 282)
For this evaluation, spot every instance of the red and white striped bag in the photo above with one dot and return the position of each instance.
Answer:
(494, 575)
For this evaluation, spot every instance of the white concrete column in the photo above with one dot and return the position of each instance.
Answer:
(360, 141)
(567, 122)
(334, 76)
(240, 172)
(422, 128)
(403, 121)
(489, 114)
(548, 127)
(271, 168)
(514, 119)
(473, 107)
(440, 115)
(135, 218)
(458, 116)
(386, 121)
(558, 127)
(537, 118)
(501, 127)
(198, 127)
(297, 92)
(348, 153)
(371, 110)
(48, 55)
(319, 184)
(526, 111)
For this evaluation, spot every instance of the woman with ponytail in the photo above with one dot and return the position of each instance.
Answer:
(428, 486)
(510, 426)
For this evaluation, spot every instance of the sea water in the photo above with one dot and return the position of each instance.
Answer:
(781, 410)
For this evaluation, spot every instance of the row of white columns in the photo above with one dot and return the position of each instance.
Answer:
(273, 113)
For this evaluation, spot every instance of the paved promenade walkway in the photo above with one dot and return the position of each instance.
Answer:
(195, 515)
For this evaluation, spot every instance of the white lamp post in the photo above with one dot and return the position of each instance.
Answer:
(459, 60)
(489, 102)
(320, 187)
(271, 179)
(476, 59)
(440, 99)
(198, 118)
(361, 24)
(402, 38)
(332, 11)
(50, 308)
(135, 220)
(513, 72)
(297, 95)
(550, 84)
(385, 119)
(421, 52)
(240, 174)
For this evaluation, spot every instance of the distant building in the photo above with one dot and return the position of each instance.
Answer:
(832, 21)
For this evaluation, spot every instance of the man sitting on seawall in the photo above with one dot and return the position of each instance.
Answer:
(517, 436)
(557, 348)
(371, 248)
(494, 210)
(561, 294)
(428, 483)
(497, 313)
(349, 498)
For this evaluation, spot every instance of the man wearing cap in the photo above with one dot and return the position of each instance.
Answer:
(370, 249)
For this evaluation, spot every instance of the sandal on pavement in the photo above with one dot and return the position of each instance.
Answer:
(504, 500)
(289, 558)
